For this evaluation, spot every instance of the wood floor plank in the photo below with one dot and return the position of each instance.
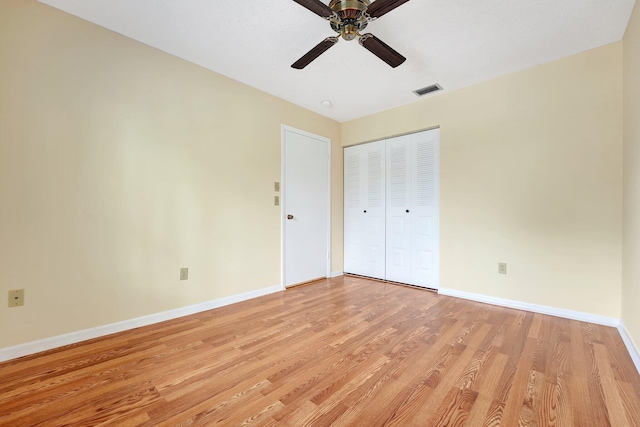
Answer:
(486, 387)
(112, 407)
(344, 352)
(443, 381)
(127, 420)
(516, 394)
(597, 404)
(529, 413)
(336, 397)
(210, 410)
(372, 401)
(630, 403)
(614, 403)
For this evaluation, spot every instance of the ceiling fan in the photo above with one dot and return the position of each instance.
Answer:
(348, 18)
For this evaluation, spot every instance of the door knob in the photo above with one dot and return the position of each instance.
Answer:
(407, 210)
(289, 216)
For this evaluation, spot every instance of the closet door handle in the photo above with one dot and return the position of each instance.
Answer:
(289, 216)
(407, 210)
(365, 211)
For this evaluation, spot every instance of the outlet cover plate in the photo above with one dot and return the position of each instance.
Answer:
(502, 268)
(16, 298)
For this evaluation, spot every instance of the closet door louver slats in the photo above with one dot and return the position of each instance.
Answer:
(392, 209)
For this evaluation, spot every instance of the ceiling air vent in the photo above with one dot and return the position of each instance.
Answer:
(428, 89)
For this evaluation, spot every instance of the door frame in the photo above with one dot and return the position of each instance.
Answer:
(283, 202)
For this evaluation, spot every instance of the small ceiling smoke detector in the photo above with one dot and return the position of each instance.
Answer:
(428, 89)
(326, 103)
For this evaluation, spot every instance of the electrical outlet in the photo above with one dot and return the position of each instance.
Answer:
(502, 268)
(184, 273)
(16, 298)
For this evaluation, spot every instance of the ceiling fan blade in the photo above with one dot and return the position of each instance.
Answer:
(317, 7)
(380, 7)
(321, 48)
(381, 50)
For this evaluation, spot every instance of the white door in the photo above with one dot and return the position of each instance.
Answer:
(364, 240)
(353, 206)
(425, 235)
(398, 222)
(305, 206)
(374, 211)
(413, 238)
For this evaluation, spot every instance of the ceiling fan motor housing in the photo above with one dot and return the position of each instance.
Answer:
(350, 17)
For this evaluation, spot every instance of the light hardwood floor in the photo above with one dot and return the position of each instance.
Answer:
(344, 352)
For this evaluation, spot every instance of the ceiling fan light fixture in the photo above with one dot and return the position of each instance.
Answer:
(349, 32)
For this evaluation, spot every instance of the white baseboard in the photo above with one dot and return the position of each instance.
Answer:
(336, 273)
(536, 308)
(87, 334)
(634, 351)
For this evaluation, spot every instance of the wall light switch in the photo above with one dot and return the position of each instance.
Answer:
(276, 186)
(276, 200)
(184, 273)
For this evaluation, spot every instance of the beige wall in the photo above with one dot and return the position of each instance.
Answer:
(119, 164)
(631, 247)
(531, 175)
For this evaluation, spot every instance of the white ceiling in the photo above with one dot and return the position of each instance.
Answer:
(455, 43)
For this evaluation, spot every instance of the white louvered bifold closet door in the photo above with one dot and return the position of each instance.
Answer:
(398, 259)
(365, 210)
(412, 209)
(425, 236)
(392, 209)
(352, 208)
(374, 217)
